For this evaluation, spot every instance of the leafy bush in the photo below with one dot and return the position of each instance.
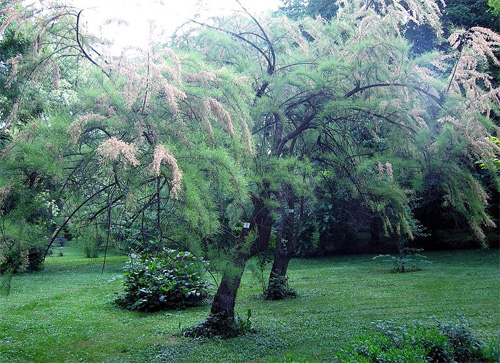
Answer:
(91, 248)
(464, 343)
(440, 342)
(20, 256)
(172, 280)
(409, 259)
(21, 247)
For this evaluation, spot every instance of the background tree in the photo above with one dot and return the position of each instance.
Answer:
(300, 96)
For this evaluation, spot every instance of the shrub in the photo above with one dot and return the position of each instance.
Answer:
(439, 342)
(409, 259)
(465, 344)
(20, 256)
(91, 248)
(170, 280)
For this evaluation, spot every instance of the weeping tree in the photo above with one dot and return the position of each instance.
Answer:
(351, 87)
(39, 69)
(157, 139)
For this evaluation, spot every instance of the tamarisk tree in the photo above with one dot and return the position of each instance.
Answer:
(156, 141)
(351, 88)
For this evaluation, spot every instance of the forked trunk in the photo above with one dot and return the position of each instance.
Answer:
(225, 298)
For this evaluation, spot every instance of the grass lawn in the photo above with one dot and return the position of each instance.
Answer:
(65, 313)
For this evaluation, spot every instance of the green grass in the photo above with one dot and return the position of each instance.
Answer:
(65, 313)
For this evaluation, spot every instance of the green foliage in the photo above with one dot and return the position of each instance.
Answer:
(494, 161)
(313, 8)
(495, 6)
(91, 248)
(91, 239)
(408, 260)
(491, 351)
(172, 280)
(20, 256)
(469, 13)
(466, 346)
(440, 342)
(21, 245)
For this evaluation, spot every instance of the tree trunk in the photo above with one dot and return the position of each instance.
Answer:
(225, 298)
(277, 287)
(280, 263)
(221, 321)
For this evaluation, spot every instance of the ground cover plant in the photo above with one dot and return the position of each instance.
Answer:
(169, 279)
(66, 312)
(420, 342)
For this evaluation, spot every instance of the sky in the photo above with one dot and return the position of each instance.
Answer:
(166, 14)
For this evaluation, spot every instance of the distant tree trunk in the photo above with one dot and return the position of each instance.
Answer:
(286, 240)
(374, 230)
(282, 256)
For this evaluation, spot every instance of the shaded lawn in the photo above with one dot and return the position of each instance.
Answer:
(65, 313)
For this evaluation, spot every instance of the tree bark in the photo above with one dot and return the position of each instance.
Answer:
(285, 245)
(225, 298)
(280, 263)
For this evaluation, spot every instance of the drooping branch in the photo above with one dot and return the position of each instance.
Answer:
(80, 45)
(304, 125)
(269, 57)
(72, 214)
(359, 89)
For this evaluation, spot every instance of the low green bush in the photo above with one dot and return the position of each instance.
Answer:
(169, 280)
(420, 342)
(409, 259)
(20, 256)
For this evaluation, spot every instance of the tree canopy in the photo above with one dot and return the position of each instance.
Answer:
(242, 133)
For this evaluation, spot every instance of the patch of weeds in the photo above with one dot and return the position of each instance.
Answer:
(222, 326)
(491, 351)
(257, 346)
(163, 353)
(291, 358)
(438, 342)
